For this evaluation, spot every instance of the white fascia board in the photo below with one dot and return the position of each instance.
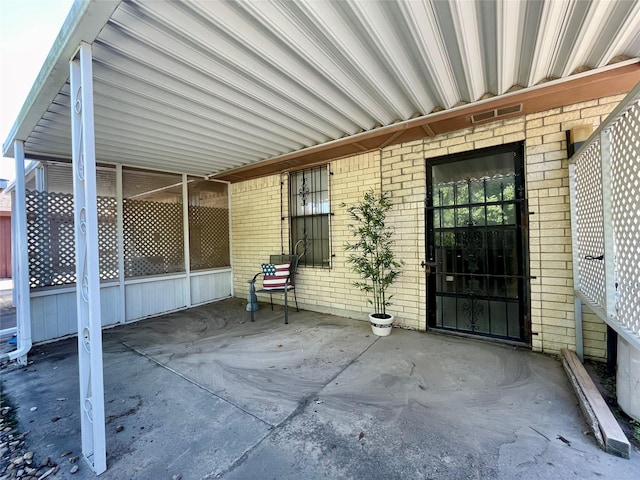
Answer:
(84, 22)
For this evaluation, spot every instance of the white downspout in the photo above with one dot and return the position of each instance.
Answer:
(21, 275)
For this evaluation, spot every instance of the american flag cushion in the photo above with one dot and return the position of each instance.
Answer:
(275, 276)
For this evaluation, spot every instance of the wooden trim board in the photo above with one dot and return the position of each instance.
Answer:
(605, 427)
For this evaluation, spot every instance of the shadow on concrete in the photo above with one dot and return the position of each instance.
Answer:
(204, 393)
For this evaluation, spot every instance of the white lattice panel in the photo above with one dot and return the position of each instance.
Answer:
(625, 183)
(51, 238)
(590, 224)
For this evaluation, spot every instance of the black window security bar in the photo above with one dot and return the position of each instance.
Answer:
(309, 212)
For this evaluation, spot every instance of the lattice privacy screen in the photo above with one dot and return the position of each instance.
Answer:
(153, 228)
(625, 186)
(153, 238)
(208, 224)
(590, 224)
(208, 237)
(51, 241)
(618, 228)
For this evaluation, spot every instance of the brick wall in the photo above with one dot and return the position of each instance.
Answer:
(552, 313)
(401, 170)
(255, 227)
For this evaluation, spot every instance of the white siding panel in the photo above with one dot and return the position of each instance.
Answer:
(37, 320)
(109, 305)
(145, 299)
(60, 315)
(210, 286)
(53, 314)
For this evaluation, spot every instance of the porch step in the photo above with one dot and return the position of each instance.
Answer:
(605, 427)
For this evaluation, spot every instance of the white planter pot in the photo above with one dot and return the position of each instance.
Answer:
(381, 326)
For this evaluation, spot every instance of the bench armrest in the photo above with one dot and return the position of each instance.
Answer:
(253, 280)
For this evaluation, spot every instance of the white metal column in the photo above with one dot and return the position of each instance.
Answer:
(21, 275)
(577, 302)
(42, 180)
(187, 249)
(609, 247)
(87, 264)
(120, 232)
(42, 187)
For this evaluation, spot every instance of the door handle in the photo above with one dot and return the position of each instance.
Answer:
(428, 266)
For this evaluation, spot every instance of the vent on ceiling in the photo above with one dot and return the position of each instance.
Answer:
(496, 113)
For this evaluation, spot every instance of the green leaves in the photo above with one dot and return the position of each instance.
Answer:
(372, 254)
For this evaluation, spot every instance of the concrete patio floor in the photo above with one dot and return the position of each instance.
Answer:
(204, 393)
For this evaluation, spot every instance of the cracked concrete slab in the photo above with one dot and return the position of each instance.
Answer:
(206, 394)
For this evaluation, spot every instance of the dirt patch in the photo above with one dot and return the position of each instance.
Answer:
(16, 460)
(606, 384)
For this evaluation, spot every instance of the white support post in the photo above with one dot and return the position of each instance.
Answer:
(42, 187)
(187, 250)
(230, 236)
(42, 180)
(120, 233)
(577, 302)
(92, 419)
(21, 275)
(609, 247)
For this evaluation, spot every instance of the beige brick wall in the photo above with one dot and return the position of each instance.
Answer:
(351, 178)
(403, 174)
(400, 169)
(552, 311)
(255, 227)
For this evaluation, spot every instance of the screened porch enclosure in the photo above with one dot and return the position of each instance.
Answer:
(148, 224)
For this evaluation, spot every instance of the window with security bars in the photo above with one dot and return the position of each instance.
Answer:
(309, 213)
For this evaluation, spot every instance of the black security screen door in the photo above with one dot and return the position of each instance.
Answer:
(476, 237)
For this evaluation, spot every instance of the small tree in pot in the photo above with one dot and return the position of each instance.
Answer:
(372, 256)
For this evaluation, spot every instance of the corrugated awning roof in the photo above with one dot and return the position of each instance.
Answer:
(237, 89)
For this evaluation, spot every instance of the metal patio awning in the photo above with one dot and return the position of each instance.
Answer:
(236, 90)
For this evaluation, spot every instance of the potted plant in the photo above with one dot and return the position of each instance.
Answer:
(372, 257)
